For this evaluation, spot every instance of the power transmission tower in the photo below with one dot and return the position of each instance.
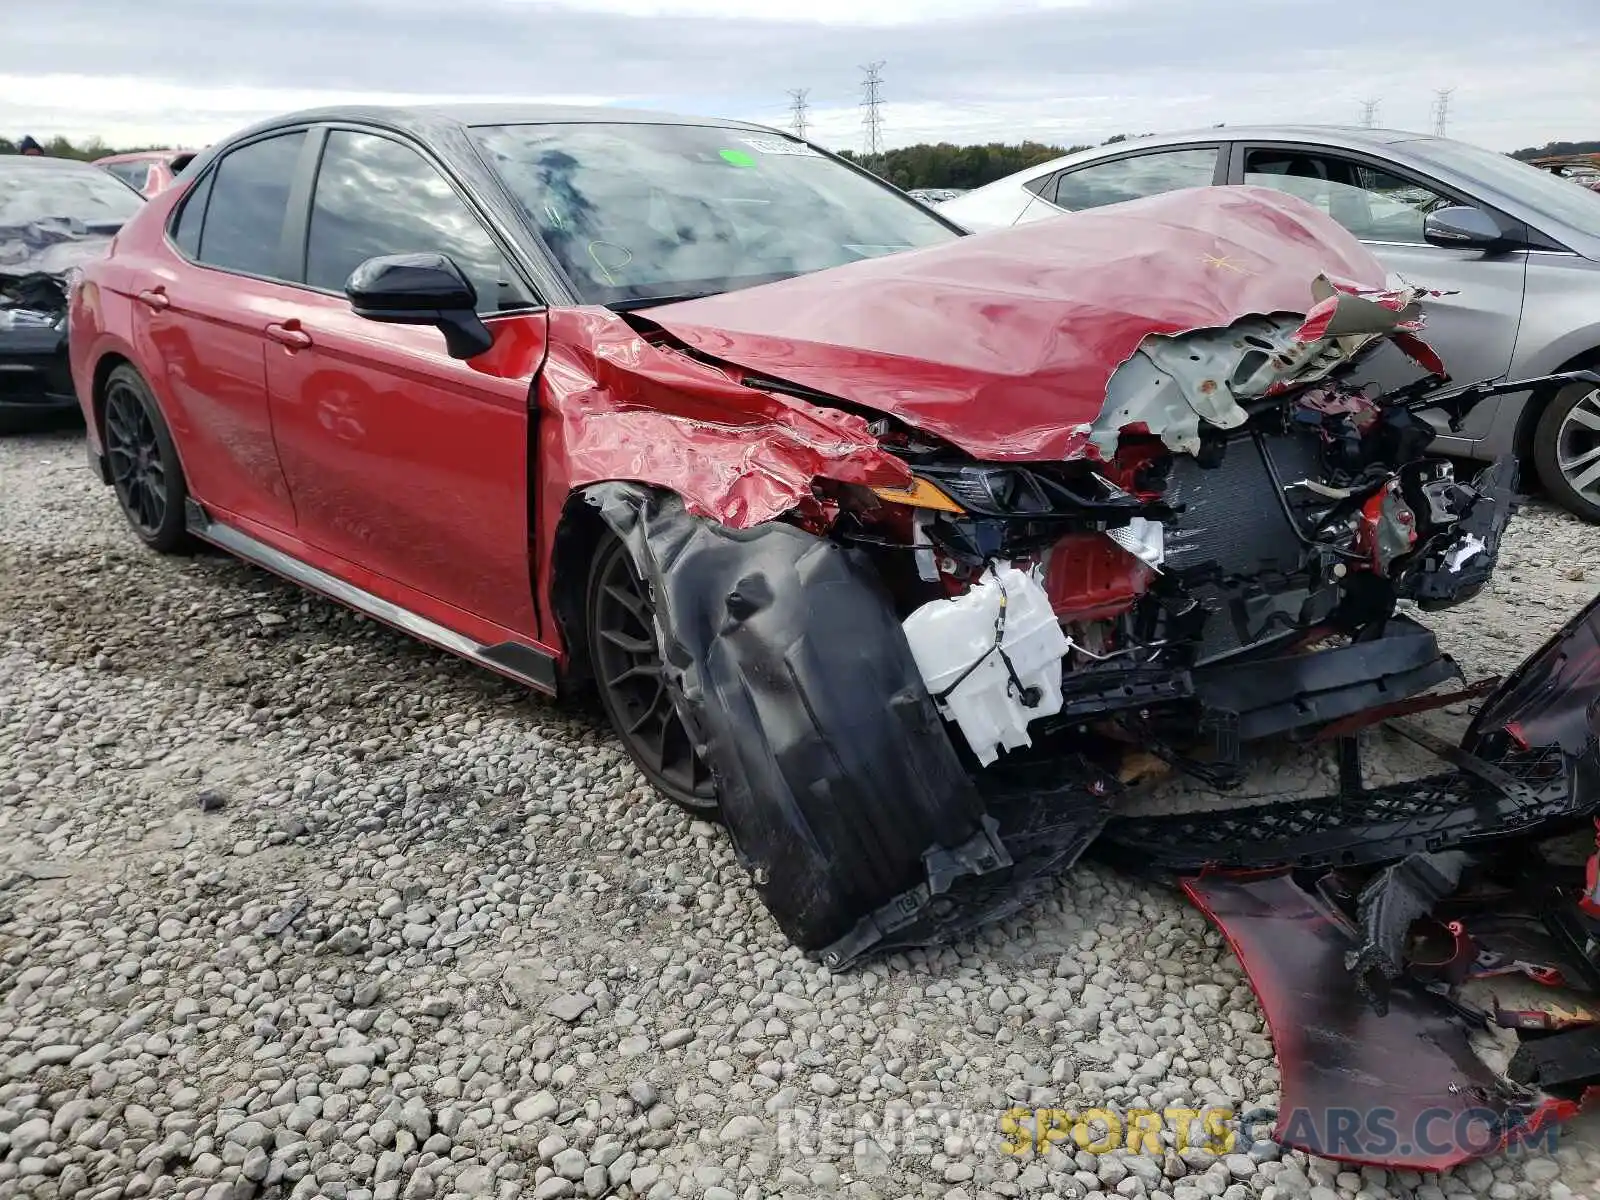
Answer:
(1441, 109)
(797, 110)
(872, 101)
(1369, 113)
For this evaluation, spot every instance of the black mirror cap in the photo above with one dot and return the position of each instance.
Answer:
(421, 289)
(397, 283)
(1464, 227)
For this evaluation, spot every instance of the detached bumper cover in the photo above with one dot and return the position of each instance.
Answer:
(1362, 991)
(1405, 1089)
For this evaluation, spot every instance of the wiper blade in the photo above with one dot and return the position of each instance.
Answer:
(636, 302)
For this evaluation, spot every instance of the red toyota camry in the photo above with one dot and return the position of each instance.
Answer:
(900, 550)
(869, 534)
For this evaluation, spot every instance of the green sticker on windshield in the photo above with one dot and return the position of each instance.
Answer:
(738, 158)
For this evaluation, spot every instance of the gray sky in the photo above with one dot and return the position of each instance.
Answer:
(188, 71)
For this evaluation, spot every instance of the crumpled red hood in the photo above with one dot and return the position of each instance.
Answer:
(1003, 343)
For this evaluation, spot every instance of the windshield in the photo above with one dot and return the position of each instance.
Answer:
(1543, 193)
(638, 211)
(36, 191)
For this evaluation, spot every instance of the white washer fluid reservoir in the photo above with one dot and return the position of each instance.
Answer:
(958, 644)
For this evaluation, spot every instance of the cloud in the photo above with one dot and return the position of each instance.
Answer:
(1056, 70)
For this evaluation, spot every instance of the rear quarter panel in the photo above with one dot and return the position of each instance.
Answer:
(100, 315)
(99, 324)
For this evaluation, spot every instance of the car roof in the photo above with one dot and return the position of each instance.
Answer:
(1350, 133)
(422, 119)
(1349, 137)
(448, 123)
(141, 156)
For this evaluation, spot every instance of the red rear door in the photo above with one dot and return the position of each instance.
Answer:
(204, 323)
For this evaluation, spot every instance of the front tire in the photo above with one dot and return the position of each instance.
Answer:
(629, 676)
(1566, 449)
(145, 472)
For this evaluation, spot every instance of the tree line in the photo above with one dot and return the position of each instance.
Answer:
(1553, 148)
(925, 165)
(947, 165)
(60, 147)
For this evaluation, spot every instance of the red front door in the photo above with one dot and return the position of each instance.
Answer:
(410, 463)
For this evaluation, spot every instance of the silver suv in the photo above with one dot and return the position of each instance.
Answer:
(1522, 269)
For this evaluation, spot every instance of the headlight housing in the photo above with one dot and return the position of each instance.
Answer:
(921, 494)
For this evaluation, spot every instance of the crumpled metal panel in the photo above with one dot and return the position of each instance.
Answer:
(49, 248)
(1004, 343)
(616, 408)
(37, 262)
(1173, 383)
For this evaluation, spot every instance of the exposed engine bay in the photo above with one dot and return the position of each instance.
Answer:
(1168, 599)
(38, 263)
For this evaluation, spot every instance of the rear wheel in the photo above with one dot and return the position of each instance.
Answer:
(629, 676)
(145, 472)
(1566, 449)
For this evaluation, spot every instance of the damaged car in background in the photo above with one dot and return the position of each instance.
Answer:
(906, 554)
(55, 214)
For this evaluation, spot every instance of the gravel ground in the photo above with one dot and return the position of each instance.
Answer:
(293, 906)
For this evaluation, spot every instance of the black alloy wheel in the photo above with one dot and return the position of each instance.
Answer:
(143, 462)
(632, 683)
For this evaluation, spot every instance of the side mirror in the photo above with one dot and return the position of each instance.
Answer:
(421, 289)
(1463, 227)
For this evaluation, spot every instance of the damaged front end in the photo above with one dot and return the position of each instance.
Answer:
(38, 263)
(953, 664)
(919, 700)
(1227, 569)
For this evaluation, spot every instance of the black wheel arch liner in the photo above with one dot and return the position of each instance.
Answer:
(578, 535)
(841, 789)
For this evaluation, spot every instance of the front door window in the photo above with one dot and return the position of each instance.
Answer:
(1373, 204)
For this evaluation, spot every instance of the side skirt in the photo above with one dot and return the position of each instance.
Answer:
(526, 664)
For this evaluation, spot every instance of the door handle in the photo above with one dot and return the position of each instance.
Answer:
(155, 298)
(288, 333)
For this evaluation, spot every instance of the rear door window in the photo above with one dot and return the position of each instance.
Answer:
(186, 233)
(1133, 178)
(248, 203)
